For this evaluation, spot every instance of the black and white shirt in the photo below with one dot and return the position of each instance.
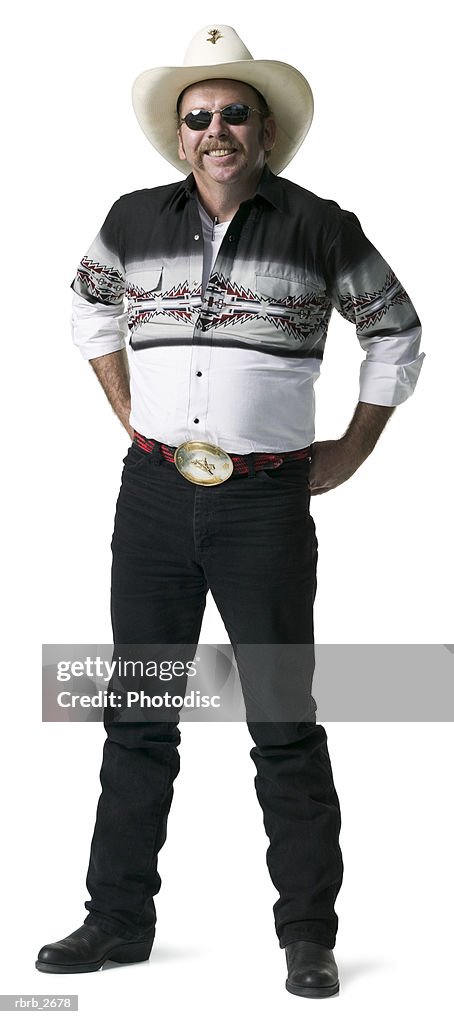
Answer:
(236, 364)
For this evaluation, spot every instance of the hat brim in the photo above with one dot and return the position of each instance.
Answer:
(287, 92)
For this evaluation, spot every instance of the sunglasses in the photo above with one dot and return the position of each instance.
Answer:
(234, 113)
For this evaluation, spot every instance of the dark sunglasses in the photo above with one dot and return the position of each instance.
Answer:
(234, 113)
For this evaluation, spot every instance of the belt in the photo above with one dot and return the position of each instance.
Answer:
(206, 464)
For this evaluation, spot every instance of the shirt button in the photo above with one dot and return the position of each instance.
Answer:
(196, 237)
(199, 373)
(196, 420)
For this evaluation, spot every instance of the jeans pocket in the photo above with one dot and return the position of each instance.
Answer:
(135, 458)
(267, 474)
(294, 472)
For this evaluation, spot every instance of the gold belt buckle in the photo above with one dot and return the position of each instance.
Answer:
(203, 463)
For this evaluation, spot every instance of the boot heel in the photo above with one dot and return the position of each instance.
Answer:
(132, 952)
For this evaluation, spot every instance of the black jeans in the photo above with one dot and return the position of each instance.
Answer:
(251, 541)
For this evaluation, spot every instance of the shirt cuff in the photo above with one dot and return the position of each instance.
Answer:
(388, 383)
(98, 329)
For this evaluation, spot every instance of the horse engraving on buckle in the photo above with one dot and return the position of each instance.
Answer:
(203, 463)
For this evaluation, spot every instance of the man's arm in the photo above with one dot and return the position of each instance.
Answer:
(112, 371)
(99, 320)
(333, 462)
(367, 293)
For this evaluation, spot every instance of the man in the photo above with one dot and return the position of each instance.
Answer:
(231, 276)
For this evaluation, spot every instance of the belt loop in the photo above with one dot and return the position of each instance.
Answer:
(250, 459)
(156, 455)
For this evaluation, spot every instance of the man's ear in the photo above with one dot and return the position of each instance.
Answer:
(181, 152)
(269, 132)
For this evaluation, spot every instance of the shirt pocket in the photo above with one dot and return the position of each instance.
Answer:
(295, 313)
(158, 303)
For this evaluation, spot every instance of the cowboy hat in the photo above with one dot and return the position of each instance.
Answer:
(216, 51)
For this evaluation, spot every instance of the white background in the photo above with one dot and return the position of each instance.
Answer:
(379, 146)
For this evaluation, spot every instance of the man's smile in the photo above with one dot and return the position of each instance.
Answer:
(222, 153)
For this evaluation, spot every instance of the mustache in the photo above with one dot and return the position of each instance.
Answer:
(219, 145)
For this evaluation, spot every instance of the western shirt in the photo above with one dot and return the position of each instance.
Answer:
(235, 364)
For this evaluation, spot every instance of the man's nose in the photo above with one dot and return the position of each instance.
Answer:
(218, 125)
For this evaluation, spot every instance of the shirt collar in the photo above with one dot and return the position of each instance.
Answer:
(270, 188)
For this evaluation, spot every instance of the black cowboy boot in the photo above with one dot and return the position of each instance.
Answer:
(88, 948)
(312, 970)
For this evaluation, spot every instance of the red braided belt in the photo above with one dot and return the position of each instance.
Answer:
(240, 462)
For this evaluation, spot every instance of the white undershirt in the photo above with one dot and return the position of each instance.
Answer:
(212, 238)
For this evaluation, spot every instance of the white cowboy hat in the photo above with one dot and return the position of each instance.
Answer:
(218, 52)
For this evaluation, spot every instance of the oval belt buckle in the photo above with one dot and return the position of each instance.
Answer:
(203, 463)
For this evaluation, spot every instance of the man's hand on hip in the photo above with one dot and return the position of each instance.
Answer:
(333, 462)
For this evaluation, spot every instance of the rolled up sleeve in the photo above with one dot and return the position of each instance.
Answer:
(366, 292)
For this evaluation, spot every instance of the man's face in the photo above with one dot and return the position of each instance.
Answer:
(245, 143)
